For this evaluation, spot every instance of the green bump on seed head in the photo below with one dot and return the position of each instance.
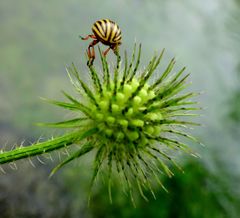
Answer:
(120, 136)
(132, 135)
(99, 116)
(127, 89)
(120, 97)
(130, 112)
(103, 105)
(115, 108)
(110, 119)
(137, 122)
(108, 132)
(149, 130)
(151, 94)
(152, 116)
(123, 123)
(143, 94)
(137, 101)
(157, 130)
(134, 84)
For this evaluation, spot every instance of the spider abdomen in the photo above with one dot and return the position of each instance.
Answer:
(107, 32)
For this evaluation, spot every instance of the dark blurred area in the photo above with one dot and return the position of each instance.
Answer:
(38, 39)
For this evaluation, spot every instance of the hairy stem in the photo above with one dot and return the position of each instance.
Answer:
(45, 147)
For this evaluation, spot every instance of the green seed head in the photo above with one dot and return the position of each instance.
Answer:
(130, 122)
(122, 117)
(135, 119)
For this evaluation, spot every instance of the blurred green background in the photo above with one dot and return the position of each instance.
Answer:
(39, 38)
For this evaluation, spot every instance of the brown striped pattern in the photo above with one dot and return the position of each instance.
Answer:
(107, 31)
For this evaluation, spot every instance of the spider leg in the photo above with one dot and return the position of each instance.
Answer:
(87, 37)
(107, 50)
(91, 54)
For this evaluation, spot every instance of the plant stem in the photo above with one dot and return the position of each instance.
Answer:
(44, 147)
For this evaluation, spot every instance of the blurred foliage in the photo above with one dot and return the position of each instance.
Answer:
(195, 194)
(232, 117)
(32, 195)
(30, 51)
(234, 102)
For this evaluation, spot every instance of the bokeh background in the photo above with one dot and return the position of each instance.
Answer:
(39, 38)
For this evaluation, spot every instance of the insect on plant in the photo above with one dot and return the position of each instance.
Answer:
(132, 122)
(106, 32)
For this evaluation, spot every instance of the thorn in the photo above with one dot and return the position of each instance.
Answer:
(41, 161)
(2, 170)
(22, 143)
(13, 147)
(196, 155)
(66, 152)
(43, 99)
(59, 156)
(48, 156)
(30, 161)
(5, 145)
(13, 166)
(41, 137)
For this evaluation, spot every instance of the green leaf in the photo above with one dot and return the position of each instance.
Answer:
(65, 124)
(158, 60)
(105, 68)
(182, 134)
(174, 122)
(85, 87)
(124, 71)
(171, 88)
(81, 106)
(83, 150)
(65, 105)
(137, 63)
(177, 100)
(95, 79)
(132, 60)
(99, 157)
(165, 74)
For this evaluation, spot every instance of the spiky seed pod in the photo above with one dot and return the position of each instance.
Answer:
(129, 122)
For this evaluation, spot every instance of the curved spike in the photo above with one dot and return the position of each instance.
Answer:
(83, 150)
(137, 63)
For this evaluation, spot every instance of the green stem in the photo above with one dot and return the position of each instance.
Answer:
(44, 147)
